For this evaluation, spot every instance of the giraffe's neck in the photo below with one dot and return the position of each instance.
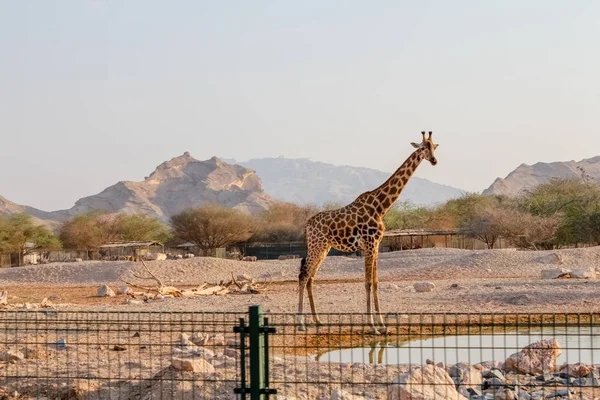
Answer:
(385, 195)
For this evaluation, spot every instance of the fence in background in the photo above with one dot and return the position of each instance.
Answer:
(165, 355)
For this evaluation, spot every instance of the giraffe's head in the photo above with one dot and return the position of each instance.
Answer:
(428, 147)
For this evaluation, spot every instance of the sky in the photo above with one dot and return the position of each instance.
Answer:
(93, 92)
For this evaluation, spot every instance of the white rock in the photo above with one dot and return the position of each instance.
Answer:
(11, 356)
(156, 256)
(196, 365)
(123, 289)
(105, 291)
(421, 287)
(555, 273)
(584, 273)
(424, 383)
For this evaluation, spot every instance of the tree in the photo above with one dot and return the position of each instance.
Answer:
(211, 226)
(572, 201)
(19, 234)
(283, 222)
(82, 232)
(92, 230)
(405, 215)
(141, 227)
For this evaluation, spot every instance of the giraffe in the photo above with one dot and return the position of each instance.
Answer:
(357, 226)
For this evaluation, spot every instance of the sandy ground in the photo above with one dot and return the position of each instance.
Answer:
(466, 281)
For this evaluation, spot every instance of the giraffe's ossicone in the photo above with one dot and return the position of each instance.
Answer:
(357, 226)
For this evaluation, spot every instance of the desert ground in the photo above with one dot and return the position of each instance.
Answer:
(129, 354)
(465, 280)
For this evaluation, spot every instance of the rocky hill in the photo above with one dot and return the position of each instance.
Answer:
(308, 182)
(174, 186)
(527, 176)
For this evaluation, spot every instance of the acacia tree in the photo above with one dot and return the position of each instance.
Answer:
(211, 226)
(92, 230)
(19, 234)
(283, 222)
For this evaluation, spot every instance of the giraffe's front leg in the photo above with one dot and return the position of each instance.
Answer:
(313, 307)
(384, 330)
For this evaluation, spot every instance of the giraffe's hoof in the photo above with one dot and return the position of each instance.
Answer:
(374, 331)
(301, 328)
(318, 322)
(384, 330)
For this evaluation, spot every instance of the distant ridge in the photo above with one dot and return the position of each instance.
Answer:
(528, 176)
(311, 182)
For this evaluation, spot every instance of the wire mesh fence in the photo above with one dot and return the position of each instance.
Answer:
(179, 355)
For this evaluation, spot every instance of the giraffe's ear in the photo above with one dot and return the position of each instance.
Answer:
(436, 146)
(416, 146)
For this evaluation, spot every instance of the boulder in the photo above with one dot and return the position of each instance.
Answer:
(537, 358)
(194, 364)
(421, 287)
(578, 370)
(124, 289)
(424, 383)
(11, 356)
(3, 297)
(105, 291)
(584, 273)
(556, 273)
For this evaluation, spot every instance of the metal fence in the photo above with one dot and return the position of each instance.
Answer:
(254, 355)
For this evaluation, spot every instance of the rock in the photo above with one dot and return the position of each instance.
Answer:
(116, 347)
(421, 287)
(584, 273)
(196, 364)
(3, 297)
(560, 393)
(123, 289)
(471, 377)
(234, 353)
(61, 344)
(54, 298)
(536, 358)
(556, 273)
(424, 383)
(577, 370)
(28, 306)
(494, 373)
(11, 356)
(504, 394)
(105, 291)
(134, 302)
(78, 260)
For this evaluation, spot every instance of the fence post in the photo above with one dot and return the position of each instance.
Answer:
(259, 355)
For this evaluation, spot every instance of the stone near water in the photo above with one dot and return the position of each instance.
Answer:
(538, 357)
(424, 383)
(421, 287)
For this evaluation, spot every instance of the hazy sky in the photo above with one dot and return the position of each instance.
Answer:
(93, 92)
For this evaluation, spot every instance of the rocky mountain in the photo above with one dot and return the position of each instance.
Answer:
(527, 176)
(308, 182)
(40, 217)
(174, 186)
